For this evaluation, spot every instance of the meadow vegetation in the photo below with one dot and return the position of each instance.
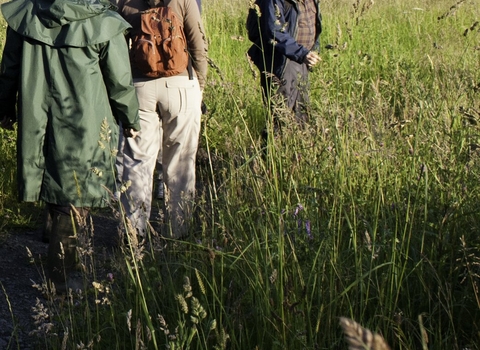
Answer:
(371, 212)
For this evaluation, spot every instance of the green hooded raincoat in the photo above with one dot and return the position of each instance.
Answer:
(66, 69)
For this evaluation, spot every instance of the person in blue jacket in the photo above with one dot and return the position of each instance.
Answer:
(286, 50)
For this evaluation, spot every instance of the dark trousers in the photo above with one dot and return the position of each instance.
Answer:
(291, 91)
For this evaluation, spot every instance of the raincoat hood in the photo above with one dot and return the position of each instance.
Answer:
(59, 23)
(57, 13)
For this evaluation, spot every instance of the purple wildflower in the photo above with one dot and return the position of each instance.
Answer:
(298, 209)
(308, 229)
(110, 277)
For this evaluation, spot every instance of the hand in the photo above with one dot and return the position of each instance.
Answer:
(7, 122)
(130, 132)
(311, 59)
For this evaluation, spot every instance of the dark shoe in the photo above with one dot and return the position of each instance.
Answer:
(73, 282)
(47, 224)
(160, 190)
(63, 265)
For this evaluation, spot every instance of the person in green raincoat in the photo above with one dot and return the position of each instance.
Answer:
(65, 73)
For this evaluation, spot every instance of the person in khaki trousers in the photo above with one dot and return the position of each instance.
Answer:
(171, 107)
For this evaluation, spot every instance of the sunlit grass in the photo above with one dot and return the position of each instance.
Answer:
(370, 213)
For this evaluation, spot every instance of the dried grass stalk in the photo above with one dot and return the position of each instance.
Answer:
(359, 338)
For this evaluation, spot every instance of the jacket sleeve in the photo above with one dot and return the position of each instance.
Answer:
(276, 31)
(196, 40)
(117, 75)
(10, 73)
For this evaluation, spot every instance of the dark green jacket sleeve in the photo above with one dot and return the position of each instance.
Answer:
(9, 73)
(115, 65)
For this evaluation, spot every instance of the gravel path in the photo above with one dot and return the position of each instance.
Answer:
(18, 273)
(18, 296)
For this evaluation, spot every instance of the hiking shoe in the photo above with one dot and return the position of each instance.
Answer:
(160, 191)
(73, 282)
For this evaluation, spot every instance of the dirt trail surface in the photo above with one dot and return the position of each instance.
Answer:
(17, 295)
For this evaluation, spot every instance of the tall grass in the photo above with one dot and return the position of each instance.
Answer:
(370, 213)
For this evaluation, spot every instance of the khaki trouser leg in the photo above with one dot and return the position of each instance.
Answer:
(181, 129)
(139, 159)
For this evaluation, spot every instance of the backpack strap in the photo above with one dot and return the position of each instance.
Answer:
(190, 68)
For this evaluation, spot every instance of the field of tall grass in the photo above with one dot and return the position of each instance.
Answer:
(371, 212)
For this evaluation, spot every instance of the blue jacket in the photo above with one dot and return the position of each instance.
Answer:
(277, 42)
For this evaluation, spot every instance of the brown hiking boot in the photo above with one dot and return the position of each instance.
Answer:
(47, 224)
(63, 265)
